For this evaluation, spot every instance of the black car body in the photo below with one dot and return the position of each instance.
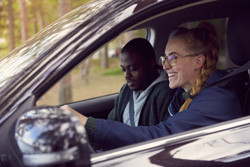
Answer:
(31, 69)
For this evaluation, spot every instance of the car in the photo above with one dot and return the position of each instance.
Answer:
(28, 73)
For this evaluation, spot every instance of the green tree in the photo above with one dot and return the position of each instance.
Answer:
(35, 15)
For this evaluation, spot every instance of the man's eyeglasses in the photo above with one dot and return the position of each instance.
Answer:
(172, 58)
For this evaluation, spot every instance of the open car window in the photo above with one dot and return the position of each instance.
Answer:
(98, 75)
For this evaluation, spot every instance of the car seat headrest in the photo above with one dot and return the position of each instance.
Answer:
(238, 39)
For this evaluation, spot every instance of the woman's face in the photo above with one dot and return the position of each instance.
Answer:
(184, 69)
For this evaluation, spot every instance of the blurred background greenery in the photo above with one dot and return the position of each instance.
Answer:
(20, 19)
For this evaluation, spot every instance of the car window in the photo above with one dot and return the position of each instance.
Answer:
(95, 77)
(98, 75)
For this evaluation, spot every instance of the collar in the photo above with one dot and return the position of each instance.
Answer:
(186, 94)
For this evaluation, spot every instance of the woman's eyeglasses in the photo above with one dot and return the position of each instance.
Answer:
(172, 58)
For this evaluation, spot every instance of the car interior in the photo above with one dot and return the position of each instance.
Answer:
(157, 32)
(158, 28)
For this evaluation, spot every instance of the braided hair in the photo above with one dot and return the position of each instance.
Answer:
(201, 40)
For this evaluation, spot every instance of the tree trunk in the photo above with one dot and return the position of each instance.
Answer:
(64, 7)
(65, 90)
(11, 25)
(105, 58)
(24, 20)
(85, 69)
(40, 17)
(35, 24)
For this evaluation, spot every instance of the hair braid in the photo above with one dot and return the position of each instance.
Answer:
(205, 42)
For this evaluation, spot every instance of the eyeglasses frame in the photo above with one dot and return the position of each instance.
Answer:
(165, 58)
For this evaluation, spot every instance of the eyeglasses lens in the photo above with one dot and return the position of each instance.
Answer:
(170, 58)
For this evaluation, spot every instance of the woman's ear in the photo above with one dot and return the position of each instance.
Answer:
(200, 60)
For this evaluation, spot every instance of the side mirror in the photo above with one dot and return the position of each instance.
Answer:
(50, 136)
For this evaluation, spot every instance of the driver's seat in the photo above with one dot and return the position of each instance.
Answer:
(238, 45)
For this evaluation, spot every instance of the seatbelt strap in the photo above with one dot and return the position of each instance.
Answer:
(224, 80)
(131, 109)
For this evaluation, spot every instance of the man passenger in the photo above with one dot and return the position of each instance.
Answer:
(144, 99)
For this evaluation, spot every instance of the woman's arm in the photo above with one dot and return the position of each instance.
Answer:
(82, 118)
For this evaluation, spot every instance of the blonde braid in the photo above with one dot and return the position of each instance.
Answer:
(200, 80)
(210, 49)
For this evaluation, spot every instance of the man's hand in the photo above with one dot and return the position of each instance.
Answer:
(82, 118)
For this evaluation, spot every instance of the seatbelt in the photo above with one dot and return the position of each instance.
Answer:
(131, 109)
(224, 80)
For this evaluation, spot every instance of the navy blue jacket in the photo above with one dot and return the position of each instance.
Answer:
(212, 105)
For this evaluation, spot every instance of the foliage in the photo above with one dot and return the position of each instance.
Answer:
(114, 71)
(49, 10)
(114, 67)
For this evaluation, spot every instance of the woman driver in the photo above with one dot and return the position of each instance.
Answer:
(190, 61)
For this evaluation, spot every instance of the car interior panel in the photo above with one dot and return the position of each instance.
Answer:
(97, 107)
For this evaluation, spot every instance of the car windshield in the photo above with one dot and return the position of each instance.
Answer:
(18, 60)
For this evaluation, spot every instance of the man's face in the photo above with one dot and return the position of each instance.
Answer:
(137, 71)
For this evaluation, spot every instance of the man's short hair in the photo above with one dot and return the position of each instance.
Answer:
(141, 47)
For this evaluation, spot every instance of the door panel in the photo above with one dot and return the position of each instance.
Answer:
(97, 107)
